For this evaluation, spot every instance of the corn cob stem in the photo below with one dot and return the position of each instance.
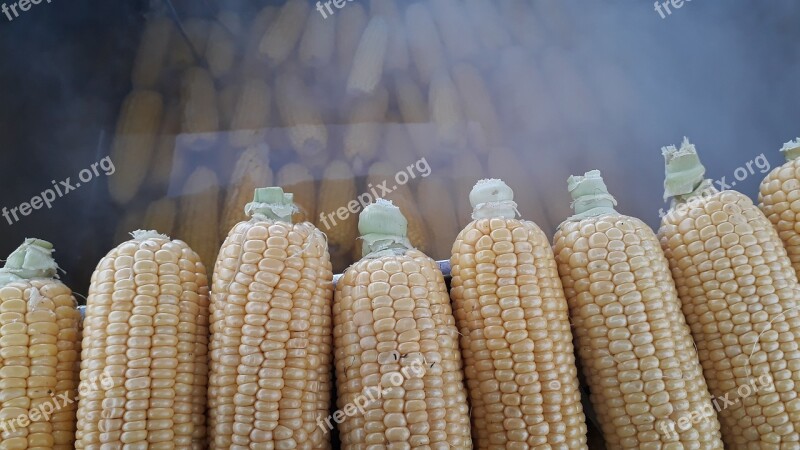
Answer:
(511, 310)
(636, 349)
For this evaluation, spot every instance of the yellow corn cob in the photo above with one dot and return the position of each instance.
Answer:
(200, 118)
(296, 178)
(396, 342)
(252, 65)
(413, 107)
(251, 114)
(397, 58)
(383, 175)
(160, 215)
(455, 28)
(151, 56)
(146, 330)
(489, 27)
(369, 59)
(305, 126)
(251, 171)
(437, 207)
(636, 350)
(163, 167)
(184, 53)
(198, 214)
(740, 298)
(351, 25)
(778, 200)
(464, 171)
(318, 41)
(228, 100)
(271, 341)
(39, 352)
(221, 50)
(363, 135)
(516, 337)
(446, 112)
(283, 34)
(134, 142)
(483, 122)
(338, 187)
(424, 43)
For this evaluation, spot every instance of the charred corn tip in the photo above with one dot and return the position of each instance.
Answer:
(683, 169)
(590, 195)
(791, 149)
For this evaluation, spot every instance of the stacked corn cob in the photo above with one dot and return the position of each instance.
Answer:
(231, 83)
(271, 331)
(397, 357)
(39, 350)
(515, 329)
(778, 200)
(636, 349)
(740, 299)
(146, 330)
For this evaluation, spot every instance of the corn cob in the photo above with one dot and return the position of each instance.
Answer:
(160, 215)
(220, 51)
(146, 330)
(424, 44)
(283, 34)
(489, 27)
(437, 207)
(318, 42)
(636, 350)
(251, 171)
(200, 118)
(296, 178)
(151, 56)
(456, 30)
(369, 59)
(464, 171)
(252, 64)
(338, 187)
(251, 114)
(397, 49)
(271, 364)
(413, 107)
(516, 338)
(305, 126)
(396, 347)
(134, 142)
(484, 124)
(381, 177)
(163, 166)
(779, 192)
(185, 53)
(351, 25)
(739, 296)
(39, 352)
(446, 112)
(363, 136)
(198, 214)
